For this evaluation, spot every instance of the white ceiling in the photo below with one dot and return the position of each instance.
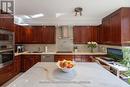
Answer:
(93, 11)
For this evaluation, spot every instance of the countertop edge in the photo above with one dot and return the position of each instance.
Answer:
(54, 53)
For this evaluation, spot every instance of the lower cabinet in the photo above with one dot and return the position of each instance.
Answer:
(77, 58)
(9, 71)
(29, 60)
(20, 63)
(6, 73)
(17, 65)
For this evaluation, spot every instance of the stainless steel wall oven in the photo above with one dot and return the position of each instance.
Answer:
(6, 47)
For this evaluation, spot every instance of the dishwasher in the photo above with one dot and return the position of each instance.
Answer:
(47, 58)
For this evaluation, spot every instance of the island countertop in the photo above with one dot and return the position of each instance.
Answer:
(84, 75)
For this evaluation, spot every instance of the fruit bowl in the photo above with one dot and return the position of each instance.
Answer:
(66, 65)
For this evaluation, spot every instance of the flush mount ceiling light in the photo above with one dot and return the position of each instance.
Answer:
(26, 17)
(59, 14)
(25, 24)
(37, 15)
(78, 11)
(18, 20)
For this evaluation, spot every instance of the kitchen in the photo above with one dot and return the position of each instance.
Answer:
(79, 32)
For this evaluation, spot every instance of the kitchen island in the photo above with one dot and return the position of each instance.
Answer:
(84, 75)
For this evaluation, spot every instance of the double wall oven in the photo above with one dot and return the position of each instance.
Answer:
(6, 47)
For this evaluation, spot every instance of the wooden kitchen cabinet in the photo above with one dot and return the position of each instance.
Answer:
(29, 60)
(35, 34)
(76, 35)
(100, 37)
(106, 31)
(125, 25)
(95, 34)
(49, 35)
(18, 34)
(116, 27)
(84, 34)
(27, 35)
(7, 22)
(11, 70)
(6, 73)
(17, 65)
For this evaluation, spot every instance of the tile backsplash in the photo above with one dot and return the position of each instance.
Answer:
(81, 47)
(35, 47)
(84, 48)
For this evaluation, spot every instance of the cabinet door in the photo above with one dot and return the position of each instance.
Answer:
(116, 29)
(107, 32)
(27, 35)
(125, 31)
(18, 34)
(26, 63)
(37, 34)
(6, 73)
(7, 22)
(82, 34)
(86, 34)
(29, 60)
(76, 35)
(49, 35)
(17, 65)
(95, 34)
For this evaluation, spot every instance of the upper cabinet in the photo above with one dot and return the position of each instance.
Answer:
(116, 27)
(125, 26)
(35, 34)
(7, 22)
(84, 34)
(18, 34)
(49, 35)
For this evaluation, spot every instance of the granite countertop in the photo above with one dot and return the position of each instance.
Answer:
(55, 53)
(84, 75)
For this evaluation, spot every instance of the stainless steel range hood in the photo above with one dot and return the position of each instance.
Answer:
(64, 38)
(64, 31)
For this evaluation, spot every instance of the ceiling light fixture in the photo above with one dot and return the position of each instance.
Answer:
(59, 14)
(26, 17)
(78, 11)
(37, 15)
(25, 24)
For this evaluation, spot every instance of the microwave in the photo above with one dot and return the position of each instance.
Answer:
(6, 39)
